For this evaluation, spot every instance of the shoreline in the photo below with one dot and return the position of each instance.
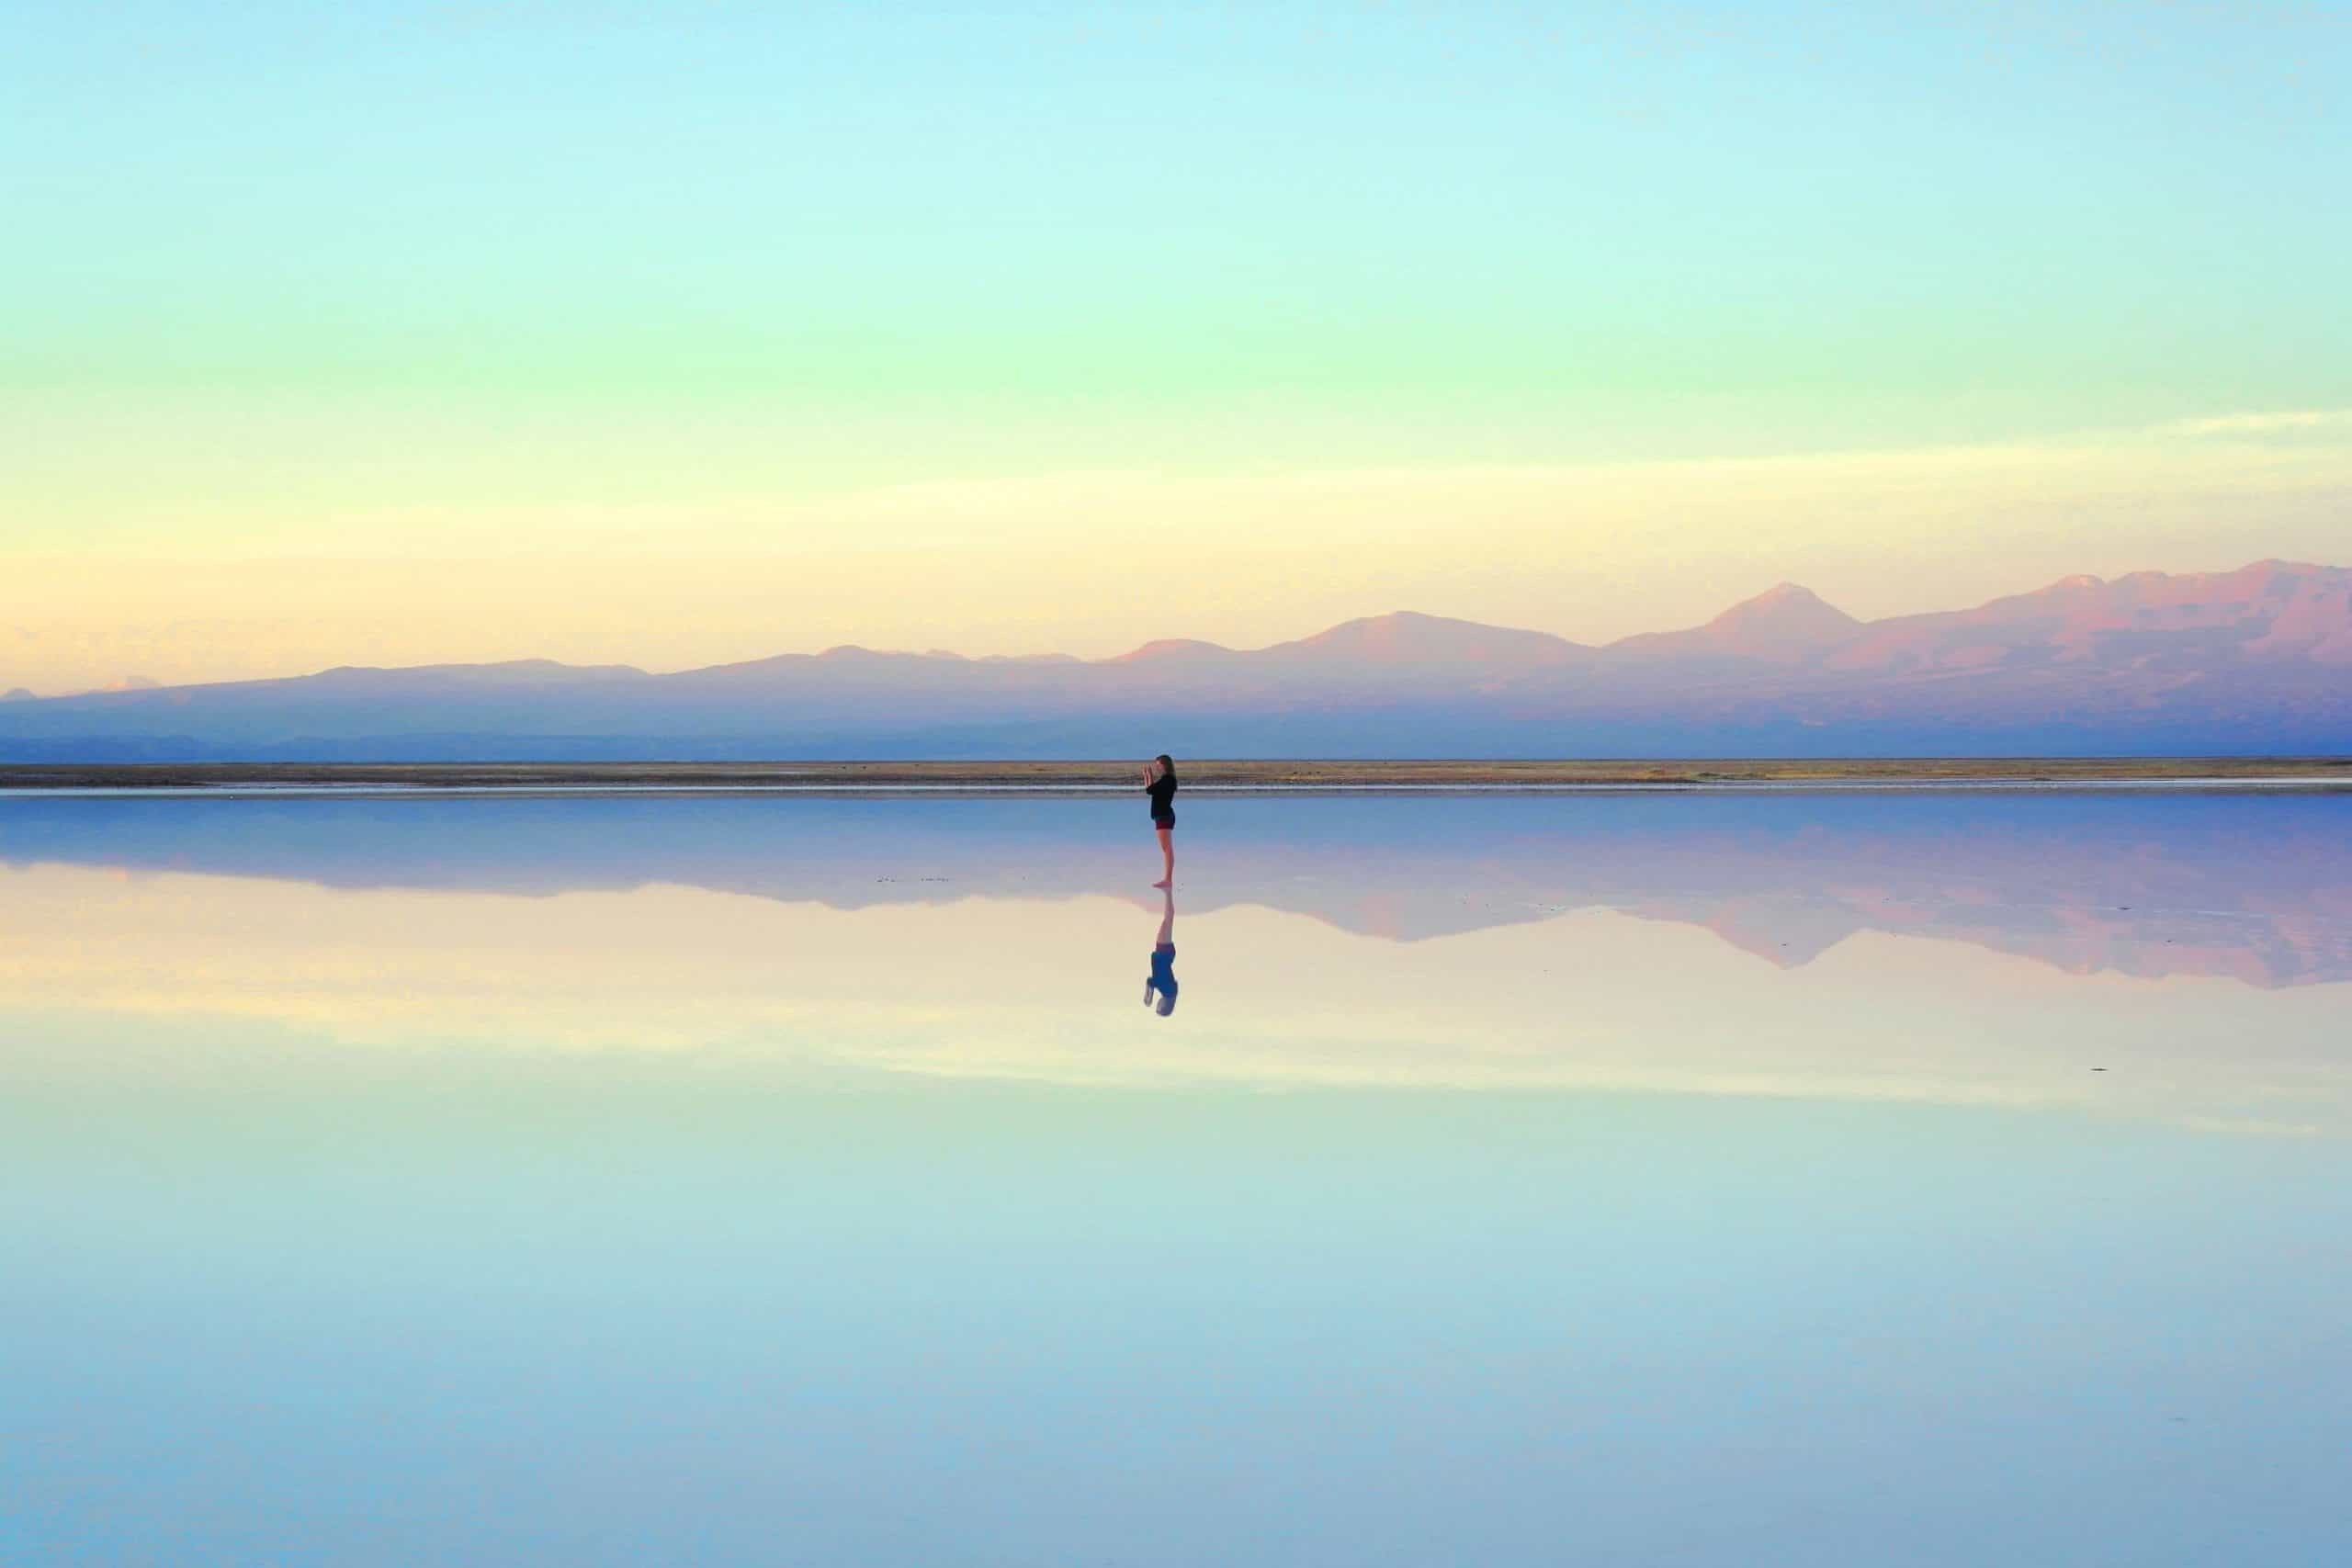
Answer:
(1411, 777)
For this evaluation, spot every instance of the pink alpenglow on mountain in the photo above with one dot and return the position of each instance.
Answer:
(2253, 661)
(2268, 611)
(1406, 639)
(1781, 626)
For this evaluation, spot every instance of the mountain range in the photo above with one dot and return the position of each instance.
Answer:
(2254, 661)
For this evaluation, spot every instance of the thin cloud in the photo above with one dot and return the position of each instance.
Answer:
(2261, 424)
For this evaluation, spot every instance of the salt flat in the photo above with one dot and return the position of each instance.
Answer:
(1212, 774)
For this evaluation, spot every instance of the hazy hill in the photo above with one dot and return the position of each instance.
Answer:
(1784, 625)
(2257, 659)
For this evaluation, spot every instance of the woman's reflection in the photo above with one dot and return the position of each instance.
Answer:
(1163, 960)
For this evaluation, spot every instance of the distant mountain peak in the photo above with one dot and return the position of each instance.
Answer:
(18, 695)
(1171, 647)
(1786, 623)
(1410, 637)
(1787, 598)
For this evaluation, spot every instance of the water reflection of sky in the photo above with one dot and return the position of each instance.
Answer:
(2180, 957)
(1680, 1182)
(2246, 886)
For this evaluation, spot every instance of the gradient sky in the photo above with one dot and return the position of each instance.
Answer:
(668, 334)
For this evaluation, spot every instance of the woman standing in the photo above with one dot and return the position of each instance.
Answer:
(1159, 778)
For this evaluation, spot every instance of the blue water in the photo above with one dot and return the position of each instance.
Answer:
(1791, 1179)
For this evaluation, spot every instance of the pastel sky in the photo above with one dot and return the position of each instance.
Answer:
(394, 333)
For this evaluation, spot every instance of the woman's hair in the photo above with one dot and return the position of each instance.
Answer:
(1167, 765)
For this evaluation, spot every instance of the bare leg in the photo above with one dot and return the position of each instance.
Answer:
(1167, 855)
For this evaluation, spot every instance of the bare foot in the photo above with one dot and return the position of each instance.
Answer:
(1163, 882)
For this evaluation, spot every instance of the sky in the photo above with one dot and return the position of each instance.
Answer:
(671, 334)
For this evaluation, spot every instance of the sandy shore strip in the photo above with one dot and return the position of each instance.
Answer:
(1337, 775)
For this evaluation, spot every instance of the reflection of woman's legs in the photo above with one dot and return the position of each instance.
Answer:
(1168, 854)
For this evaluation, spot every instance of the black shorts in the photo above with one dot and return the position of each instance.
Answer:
(1163, 819)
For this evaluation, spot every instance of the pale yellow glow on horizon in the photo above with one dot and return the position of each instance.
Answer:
(1094, 563)
(1049, 990)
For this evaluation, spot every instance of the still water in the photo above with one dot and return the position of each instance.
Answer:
(1694, 1179)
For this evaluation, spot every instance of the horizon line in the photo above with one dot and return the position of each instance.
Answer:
(137, 683)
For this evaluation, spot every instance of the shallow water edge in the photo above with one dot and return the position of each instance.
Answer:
(1402, 776)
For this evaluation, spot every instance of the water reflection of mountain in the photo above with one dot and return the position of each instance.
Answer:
(2258, 889)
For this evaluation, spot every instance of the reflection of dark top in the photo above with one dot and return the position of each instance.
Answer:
(1163, 800)
(1163, 969)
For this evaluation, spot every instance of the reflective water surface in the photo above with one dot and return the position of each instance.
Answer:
(1686, 1179)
